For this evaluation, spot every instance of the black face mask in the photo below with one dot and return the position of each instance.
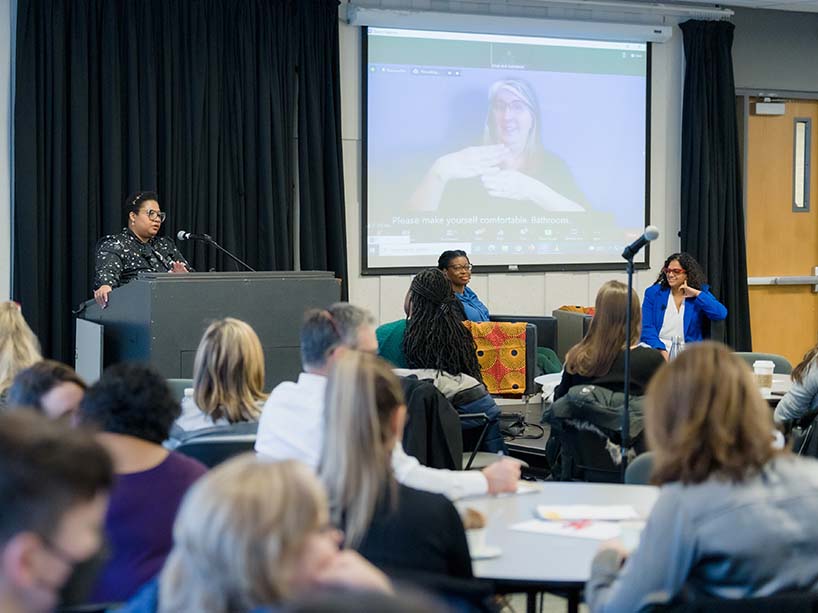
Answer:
(77, 587)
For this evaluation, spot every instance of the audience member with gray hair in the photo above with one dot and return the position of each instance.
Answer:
(292, 422)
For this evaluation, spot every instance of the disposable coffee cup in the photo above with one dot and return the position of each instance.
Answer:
(477, 540)
(763, 371)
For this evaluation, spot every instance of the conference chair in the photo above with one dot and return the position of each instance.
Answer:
(507, 353)
(178, 387)
(572, 326)
(470, 456)
(586, 434)
(212, 446)
(584, 457)
(782, 364)
(547, 335)
(803, 436)
(478, 460)
(791, 602)
(638, 471)
(433, 431)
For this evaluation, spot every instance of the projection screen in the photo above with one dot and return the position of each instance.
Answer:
(528, 153)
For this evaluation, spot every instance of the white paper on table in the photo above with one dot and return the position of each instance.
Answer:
(528, 487)
(596, 530)
(524, 487)
(565, 512)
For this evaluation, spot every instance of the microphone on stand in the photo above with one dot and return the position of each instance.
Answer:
(651, 233)
(184, 235)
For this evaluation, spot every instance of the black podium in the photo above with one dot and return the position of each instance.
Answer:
(160, 317)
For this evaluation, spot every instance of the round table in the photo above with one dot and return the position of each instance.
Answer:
(535, 563)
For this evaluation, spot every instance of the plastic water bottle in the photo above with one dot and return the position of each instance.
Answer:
(676, 347)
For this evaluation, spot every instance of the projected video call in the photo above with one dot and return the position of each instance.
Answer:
(520, 150)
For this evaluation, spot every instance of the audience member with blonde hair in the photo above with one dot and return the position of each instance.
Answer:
(600, 356)
(735, 518)
(398, 528)
(19, 347)
(228, 378)
(255, 534)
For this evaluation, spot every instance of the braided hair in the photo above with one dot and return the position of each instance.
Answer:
(435, 335)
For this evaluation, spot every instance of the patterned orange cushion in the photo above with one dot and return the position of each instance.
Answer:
(501, 353)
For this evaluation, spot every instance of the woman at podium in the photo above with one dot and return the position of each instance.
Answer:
(120, 257)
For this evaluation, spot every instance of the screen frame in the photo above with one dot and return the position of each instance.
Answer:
(368, 271)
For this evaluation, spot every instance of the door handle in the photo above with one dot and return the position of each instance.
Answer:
(788, 280)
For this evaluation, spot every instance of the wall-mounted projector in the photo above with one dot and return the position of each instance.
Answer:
(520, 26)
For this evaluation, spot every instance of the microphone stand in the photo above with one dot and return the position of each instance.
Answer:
(651, 233)
(210, 241)
(626, 415)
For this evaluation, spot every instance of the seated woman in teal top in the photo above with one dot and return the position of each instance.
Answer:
(457, 268)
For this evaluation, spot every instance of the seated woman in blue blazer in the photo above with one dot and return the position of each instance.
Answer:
(678, 304)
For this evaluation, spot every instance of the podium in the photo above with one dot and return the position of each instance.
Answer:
(160, 317)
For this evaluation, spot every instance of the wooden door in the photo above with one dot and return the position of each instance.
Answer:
(780, 242)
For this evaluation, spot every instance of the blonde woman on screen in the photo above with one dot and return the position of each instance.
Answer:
(511, 163)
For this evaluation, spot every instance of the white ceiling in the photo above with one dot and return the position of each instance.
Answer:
(807, 6)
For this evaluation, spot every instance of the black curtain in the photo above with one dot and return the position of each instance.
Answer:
(322, 225)
(712, 213)
(195, 99)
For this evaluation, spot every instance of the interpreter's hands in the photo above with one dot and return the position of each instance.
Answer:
(517, 185)
(178, 267)
(511, 184)
(349, 569)
(101, 295)
(689, 292)
(664, 354)
(470, 162)
(502, 476)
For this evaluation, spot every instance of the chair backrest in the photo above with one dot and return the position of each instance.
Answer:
(507, 353)
(178, 386)
(782, 364)
(638, 471)
(794, 602)
(545, 324)
(432, 432)
(584, 457)
(213, 446)
(572, 326)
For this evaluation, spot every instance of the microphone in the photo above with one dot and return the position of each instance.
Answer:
(184, 235)
(651, 233)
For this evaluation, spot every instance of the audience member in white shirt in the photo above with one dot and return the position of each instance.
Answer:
(292, 422)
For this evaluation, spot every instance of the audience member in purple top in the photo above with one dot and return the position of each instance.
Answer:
(134, 409)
